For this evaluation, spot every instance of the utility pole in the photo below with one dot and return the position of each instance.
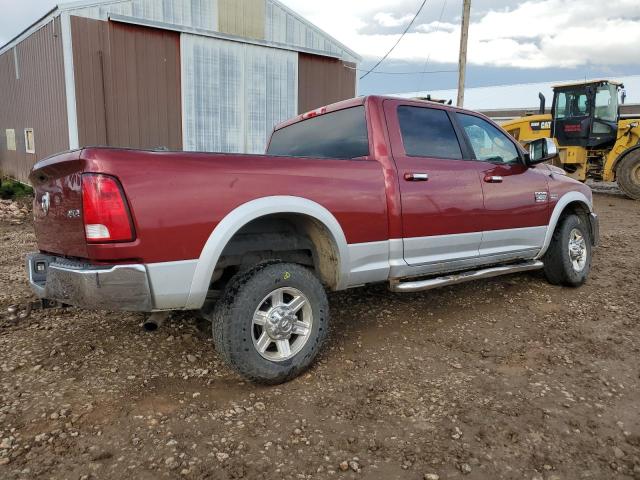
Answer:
(462, 62)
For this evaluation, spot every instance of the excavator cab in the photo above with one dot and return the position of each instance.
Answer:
(586, 114)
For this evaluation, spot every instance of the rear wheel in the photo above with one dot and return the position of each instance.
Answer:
(271, 321)
(628, 175)
(568, 259)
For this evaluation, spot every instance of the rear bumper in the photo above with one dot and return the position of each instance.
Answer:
(117, 287)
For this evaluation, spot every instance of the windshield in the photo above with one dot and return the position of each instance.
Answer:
(607, 103)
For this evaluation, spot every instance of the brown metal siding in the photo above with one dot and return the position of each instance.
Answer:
(36, 100)
(127, 85)
(323, 80)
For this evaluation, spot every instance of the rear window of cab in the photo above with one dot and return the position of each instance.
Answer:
(336, 135)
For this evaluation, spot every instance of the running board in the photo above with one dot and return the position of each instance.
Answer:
(428, 284)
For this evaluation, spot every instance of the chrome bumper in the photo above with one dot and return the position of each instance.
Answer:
(118, 287)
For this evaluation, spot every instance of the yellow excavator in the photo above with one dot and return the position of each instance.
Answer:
(594, 140)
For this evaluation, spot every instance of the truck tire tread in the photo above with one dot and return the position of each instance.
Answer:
(629, 186)
(557, 263)
(241, 296)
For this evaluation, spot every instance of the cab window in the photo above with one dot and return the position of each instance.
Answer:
(335, 135)
(571, 104)
(489, 144)
(606, 107)
(428, 132)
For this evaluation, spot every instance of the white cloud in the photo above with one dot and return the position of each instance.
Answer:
(390, 20)
(526, 34)
(532, 34)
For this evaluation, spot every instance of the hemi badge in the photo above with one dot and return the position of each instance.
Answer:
(541, 197)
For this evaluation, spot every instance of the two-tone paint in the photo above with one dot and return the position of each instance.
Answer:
(185, 207)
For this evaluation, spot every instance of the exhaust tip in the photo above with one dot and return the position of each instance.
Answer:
(150, 326)
(155, 321)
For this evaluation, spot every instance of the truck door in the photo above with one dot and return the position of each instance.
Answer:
(516, 197)
(441, 194)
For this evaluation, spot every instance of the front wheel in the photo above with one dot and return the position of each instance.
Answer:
(271, 321)
(628, 175)
(568, 259)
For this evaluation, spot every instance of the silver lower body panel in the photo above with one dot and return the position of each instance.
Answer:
(117, 287)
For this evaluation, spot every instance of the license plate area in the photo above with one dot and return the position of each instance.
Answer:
(39, 267)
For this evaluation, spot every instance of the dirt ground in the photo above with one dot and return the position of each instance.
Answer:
(509, 378)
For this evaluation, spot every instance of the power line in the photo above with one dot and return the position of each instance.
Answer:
(396, 44)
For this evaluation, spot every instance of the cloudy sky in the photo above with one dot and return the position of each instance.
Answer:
(509, 42)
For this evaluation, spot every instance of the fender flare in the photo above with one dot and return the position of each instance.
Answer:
(565, 200)
(247, 212)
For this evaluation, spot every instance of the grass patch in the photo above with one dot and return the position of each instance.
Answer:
(10, 189)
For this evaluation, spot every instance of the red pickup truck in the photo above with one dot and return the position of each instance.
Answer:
(373, 189)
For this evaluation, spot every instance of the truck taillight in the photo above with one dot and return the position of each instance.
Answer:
(105, 212)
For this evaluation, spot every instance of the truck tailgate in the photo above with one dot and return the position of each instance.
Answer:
(57, 209)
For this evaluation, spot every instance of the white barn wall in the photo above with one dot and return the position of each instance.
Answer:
(192, 13)
(234, 93)
(284, 26)
(281, 24)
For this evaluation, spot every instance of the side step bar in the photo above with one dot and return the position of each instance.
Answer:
(430, 283)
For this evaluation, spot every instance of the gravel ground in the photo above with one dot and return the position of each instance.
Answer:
(509, 378)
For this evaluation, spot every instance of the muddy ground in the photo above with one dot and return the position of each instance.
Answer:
(509, 378)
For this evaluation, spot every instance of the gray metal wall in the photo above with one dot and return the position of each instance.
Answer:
(32, 95)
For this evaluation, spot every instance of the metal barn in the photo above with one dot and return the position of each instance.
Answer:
(199, 75)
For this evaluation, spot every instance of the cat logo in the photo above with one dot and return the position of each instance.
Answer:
(536, 126)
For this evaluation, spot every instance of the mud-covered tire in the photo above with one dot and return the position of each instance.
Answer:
(234, 330)
(559, 265)
(628, 175)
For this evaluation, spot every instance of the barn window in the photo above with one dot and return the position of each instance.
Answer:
(29, 141)
(11, 139)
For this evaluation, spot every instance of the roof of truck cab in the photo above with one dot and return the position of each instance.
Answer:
(357, 101)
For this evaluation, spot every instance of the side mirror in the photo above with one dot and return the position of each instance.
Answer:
(541, 150)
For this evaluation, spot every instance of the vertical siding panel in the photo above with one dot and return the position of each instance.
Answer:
(282, 25)
(145, 87)
(244, 18)
(140, 88)
(88, 45)
(323, 80)
(36, 100)
(198, 14)
(234, 93)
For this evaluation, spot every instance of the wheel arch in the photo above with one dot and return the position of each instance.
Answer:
(571, 202)
(326, 227)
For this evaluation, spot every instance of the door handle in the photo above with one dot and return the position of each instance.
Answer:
(493, 179)
(416, 177)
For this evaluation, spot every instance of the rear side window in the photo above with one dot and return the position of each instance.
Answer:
(341, 134)
(428, 132)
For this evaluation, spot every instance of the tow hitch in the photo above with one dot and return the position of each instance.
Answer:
(23, 311)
